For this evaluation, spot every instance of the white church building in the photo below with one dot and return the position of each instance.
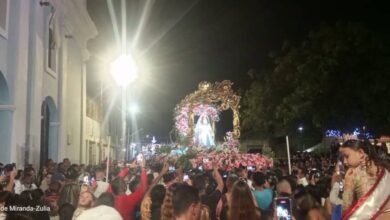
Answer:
(43, 100)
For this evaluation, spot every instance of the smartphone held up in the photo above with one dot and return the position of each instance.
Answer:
(283, 208)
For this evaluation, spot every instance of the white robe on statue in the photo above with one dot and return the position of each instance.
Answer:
(204, 134)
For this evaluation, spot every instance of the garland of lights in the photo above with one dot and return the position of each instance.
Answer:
(357, 132)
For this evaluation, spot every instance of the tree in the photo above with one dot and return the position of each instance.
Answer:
(337, 78)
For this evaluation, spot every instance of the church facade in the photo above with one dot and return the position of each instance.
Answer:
(43, 101)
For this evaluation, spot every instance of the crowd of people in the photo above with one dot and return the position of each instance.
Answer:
(350, 184)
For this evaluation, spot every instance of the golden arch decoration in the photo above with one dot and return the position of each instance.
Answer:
(219, 94)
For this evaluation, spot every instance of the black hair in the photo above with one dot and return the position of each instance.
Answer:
(37, 194)
(231, 179)
(315, 192)
(99, 169)
(324, 184)
(157, 195)
(150, 178)
(182, 198)
(9, 167)
(55, 186)
(107, 199)
(199, 181)
(375, 154)
(118, 186)
(306, 201)
(66, 211)
(18, 216)
(259, 178)
(133, 185)
(72, 173)
(168, 177)
(4, 195)
(28, 169)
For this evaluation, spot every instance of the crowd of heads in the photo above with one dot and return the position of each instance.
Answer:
(68, 190)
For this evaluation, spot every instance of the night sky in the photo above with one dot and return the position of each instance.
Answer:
(185, 42)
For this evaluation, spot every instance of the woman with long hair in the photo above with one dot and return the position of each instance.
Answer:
(167, 206)
(242, 204)
(157, 196)
(223, 203)
(366, 192)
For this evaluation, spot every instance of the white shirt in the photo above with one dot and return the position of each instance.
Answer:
(334, 194)
(101, 188)
(44, 186)
(2, 216)
(100, 212)
(250, 184)
(303, 182)
(19, 187)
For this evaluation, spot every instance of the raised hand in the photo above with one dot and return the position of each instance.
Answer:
(13, 173)
(214, 163)
(143, 162)
(132, 165)
(2, 178)
(165, 168)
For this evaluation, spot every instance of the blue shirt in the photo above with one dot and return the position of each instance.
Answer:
(263, 198)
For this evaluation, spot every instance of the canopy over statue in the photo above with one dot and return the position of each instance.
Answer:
(207, 102)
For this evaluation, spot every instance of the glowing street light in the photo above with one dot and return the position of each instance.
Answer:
(134, 108)
(300, 129)
(124, 70)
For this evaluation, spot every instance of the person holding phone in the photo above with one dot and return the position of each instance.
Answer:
(209, 199)
(10, 179)
(337, 184)
(146, 204)
(127, 204)
(223, 204)
(101, 185)
(283, 208)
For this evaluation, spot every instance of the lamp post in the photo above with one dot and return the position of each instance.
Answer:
(133, 109)
(124, 71)
(300, 129)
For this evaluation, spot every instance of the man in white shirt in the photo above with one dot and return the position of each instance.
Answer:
(26, 183)
(102, 186)
(104, 209)
(302, 177)
(100, 212)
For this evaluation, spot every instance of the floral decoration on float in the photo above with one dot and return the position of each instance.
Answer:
(226, 156)
(182, 115)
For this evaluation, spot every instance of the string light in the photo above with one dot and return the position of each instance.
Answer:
(356, 132)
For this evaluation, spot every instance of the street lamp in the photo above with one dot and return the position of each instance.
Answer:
(134, 109)
(300, 129)
(124, 71)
